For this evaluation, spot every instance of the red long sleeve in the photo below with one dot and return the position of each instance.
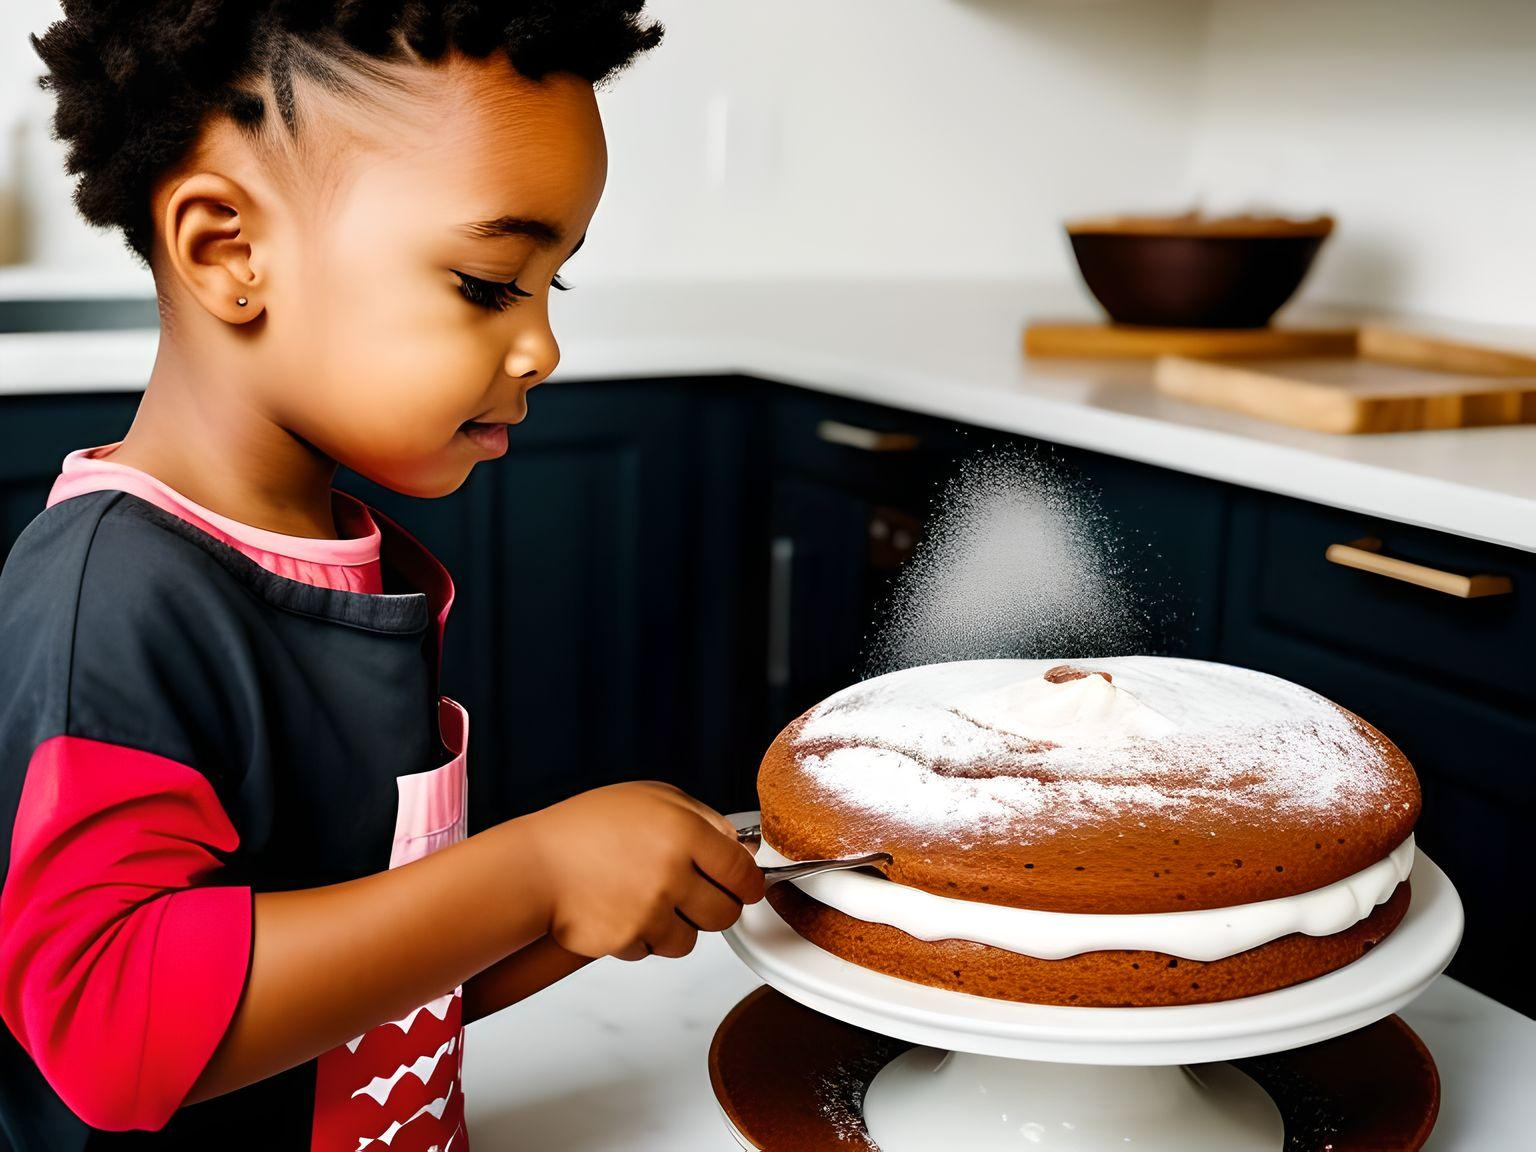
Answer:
(120, 964)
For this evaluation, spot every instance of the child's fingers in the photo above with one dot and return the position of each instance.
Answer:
(729, 866)
(672, 936)
(713, 818)
(709, 907)
(720, 822)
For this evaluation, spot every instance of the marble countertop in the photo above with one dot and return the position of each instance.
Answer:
(952, 350)
(614, 1059)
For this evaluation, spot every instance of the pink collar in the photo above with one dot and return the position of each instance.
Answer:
(87, 470)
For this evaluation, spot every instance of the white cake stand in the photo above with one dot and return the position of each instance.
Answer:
(993, 1075)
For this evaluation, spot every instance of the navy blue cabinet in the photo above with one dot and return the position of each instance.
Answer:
(852, 485)
(1447, 679)
(36, 432)
(1170, 535)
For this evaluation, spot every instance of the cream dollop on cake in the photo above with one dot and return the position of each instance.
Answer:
(1066, 704)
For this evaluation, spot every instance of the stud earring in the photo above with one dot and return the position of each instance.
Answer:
(242, 301)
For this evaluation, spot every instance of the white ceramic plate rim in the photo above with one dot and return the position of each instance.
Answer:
(1392, 974)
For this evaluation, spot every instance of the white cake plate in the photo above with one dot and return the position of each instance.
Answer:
(994, 1075)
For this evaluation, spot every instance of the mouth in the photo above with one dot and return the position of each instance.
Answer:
(488, 435)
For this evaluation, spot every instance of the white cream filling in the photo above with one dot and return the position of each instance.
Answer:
(1200, 934)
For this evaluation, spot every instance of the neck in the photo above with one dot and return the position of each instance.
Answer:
(198, 431)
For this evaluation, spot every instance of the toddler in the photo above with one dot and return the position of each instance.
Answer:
(238, 908)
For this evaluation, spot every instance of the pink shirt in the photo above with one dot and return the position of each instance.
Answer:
(350, 564)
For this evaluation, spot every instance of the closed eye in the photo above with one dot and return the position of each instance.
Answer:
(496, 295)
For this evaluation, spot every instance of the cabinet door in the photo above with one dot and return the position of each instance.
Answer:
(725, 589)
(818, 595)
(625, 596)
(1420, 666)
(36, 433)
(589, 593)
(851, 485)
(1168, 532)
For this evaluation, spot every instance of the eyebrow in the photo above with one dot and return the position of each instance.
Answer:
(547, 235)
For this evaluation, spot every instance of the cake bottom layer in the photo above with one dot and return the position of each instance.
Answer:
(1108, 979)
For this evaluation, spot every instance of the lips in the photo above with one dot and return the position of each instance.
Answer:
(492, 437)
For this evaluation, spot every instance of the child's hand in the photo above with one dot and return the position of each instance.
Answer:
(639, 868)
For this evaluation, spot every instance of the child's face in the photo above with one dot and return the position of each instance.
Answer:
(367, 347)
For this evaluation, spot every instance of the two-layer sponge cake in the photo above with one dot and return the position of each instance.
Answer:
(1114, 832)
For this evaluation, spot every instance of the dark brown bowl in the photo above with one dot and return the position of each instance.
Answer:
(1188, 273)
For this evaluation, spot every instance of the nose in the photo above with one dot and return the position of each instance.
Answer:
(533, 353)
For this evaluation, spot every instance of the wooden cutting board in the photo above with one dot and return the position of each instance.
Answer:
(1451, 346)
(1121, 342)
(1349, 395)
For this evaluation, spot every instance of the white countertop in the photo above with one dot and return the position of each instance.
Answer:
(953, 350)
(615, 1059)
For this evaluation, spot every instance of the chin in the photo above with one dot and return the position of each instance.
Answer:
(445, 484)
(439, 478)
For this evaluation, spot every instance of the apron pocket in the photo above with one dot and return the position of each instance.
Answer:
(433, 805)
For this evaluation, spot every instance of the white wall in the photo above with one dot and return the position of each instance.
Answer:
(950, 137)
(943, 137)
(1413, 120)
(52, 233)
(865, 137)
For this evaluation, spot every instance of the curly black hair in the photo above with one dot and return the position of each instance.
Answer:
(135, 79)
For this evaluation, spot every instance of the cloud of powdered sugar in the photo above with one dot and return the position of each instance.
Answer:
(1017, 560)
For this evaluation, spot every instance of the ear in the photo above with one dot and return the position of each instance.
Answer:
(208, 225)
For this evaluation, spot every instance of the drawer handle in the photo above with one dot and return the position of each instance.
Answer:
(781, 606)
(1366, 555)
(865, 439)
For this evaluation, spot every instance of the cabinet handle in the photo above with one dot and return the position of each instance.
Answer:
(1365, 554)
(781, 572)
(865, 439)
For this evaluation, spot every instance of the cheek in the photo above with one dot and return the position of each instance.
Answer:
(394, 370)
(390, 359)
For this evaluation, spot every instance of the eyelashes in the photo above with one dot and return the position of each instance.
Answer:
(496, 295)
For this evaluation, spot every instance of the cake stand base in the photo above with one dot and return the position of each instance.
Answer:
(790, 1078)
(929, 1100)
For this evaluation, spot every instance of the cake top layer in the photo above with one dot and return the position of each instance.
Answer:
(1003, 745)
(1004, 758)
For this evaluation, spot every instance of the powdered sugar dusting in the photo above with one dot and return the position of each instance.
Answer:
(840, 1090)
(840, 1100)
(907, 747)
(1017, 560)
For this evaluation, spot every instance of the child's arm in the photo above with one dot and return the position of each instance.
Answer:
(625, 870)
(520, 975)
(329, 963)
